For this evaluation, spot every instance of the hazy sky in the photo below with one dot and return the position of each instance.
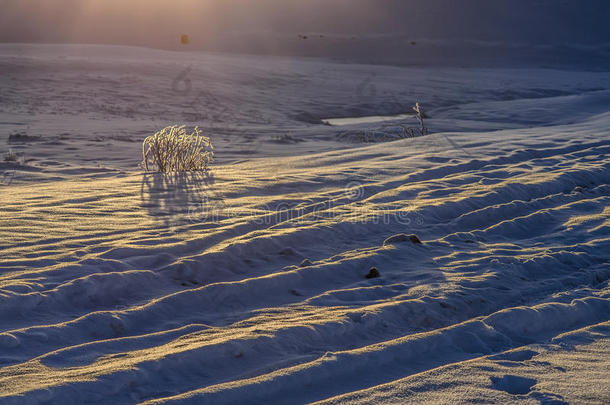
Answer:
(159, 22)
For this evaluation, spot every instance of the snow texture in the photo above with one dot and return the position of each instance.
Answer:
(247, 283)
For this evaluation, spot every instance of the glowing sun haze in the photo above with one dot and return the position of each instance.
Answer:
(152, 20)
(209, 22)
(135, 21)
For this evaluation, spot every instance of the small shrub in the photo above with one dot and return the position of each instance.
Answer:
(390, 131)
(420, 114)
(10, 156)
(174, 150)
(422, 130)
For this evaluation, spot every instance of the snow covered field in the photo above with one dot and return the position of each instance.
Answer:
(247, 284)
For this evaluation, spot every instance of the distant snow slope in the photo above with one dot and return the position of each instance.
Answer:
(93, 105)
(247, 284)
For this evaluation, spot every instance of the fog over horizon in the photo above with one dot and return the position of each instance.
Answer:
(214, 24)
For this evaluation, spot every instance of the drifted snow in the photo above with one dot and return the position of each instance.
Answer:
(247, 284)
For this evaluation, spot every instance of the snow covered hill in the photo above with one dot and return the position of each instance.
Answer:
(248, 284)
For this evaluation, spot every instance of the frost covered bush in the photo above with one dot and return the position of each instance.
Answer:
(174, 150)
(422, 130)
(10, 156)
(390, 131)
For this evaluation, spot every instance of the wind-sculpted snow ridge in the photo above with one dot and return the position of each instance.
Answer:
(246, 284)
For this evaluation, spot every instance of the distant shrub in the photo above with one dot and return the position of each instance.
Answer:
(174, 150)
(422, 130)
(10, 157)
(390, 131)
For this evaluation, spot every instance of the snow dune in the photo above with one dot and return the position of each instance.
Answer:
(247, 284)
(116, 287)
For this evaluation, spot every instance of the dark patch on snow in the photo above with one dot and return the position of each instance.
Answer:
(288, 252)
(401, 237)
(306, 263)
(22, 137)
(373, 273)
(513, 384)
